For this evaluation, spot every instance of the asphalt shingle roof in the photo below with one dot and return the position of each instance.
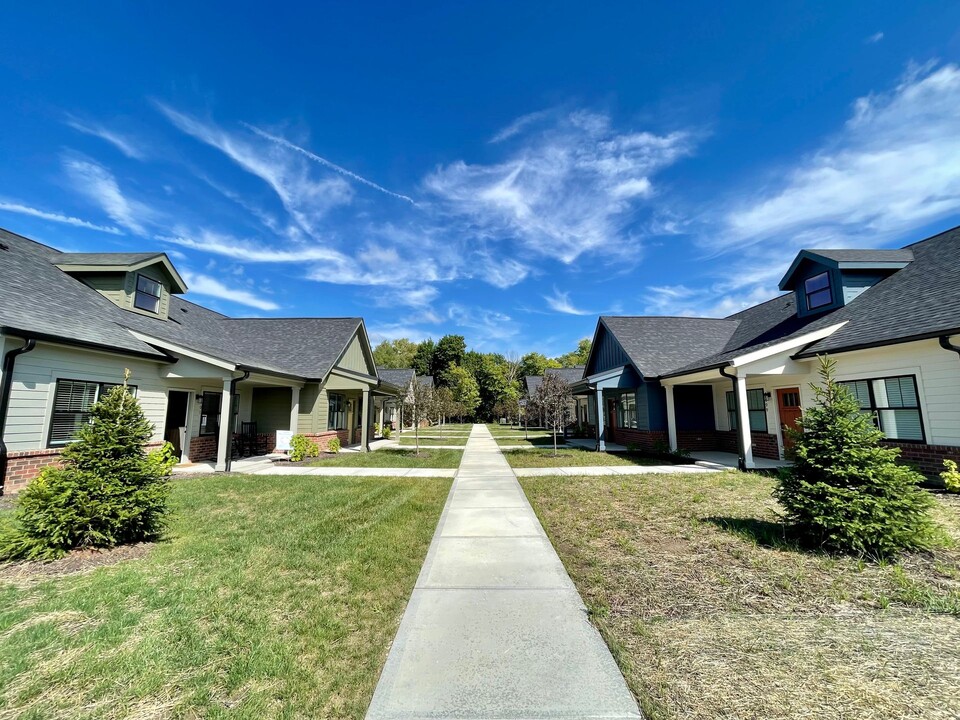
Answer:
(106, 259)
(657, 345)
(919, 300)
(36, 296)
(866, 256)
(570, 375)
(398, 377)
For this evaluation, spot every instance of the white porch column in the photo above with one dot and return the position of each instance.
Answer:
(671, 419)
(743, 422)
(226, 427)
(601, 444)
(294, 409)
(365, 422)
(383, 407)
(188, 430)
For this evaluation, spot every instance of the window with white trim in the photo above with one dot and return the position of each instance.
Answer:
(72, 401)
(756, 406)
(210, 406)
(894, 404)
(148, 294)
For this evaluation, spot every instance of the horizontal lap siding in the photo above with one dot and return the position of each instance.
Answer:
(35, 376)
(938, 374)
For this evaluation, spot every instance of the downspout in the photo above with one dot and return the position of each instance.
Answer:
(741, 450)
(233, 392)
(946, 345)
(9, 361)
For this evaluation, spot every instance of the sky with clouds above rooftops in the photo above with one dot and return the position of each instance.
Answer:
(504, 171)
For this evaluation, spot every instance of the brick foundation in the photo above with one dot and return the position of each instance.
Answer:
(764, 444)
(928, 459)
(203, 449)
(322, 439)
(644, 439)
(24, 465)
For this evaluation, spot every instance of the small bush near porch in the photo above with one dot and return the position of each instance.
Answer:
(271, 597)
(711, 612)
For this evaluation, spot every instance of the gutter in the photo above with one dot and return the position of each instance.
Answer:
(228, 462)
(946, 345)
(58, 340)
(741, 449)
(9, 361)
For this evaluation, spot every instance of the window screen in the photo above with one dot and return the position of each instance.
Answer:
(148, 294)
(817, 290)
(756, 406)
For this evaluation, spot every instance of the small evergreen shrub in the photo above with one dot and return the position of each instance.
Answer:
(107, 492)
(387, 432)
(951, 476)
(302, 447)
(845, 490)
(333, 446)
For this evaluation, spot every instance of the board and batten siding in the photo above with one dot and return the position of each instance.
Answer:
(271, 409)
(34, 385)
(354, 358)
(607, 355)
(313, 409)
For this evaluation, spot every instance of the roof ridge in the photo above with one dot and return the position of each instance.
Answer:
(31, 240)
(932, 237)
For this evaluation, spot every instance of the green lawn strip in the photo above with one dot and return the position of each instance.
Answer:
(538, 442)
(573, 457)
(394, 458)
(711, 610)
(273, 596)
(410, 441)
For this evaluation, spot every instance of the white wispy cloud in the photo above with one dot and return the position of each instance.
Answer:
(875, 38)
(283, 142)
(306, 198)
(894, 167)
(205, 285)
(100, 186)
(519, 125)
(573, 187)
(21, 209)
(560, 302)
(488, 329)
(122, 143)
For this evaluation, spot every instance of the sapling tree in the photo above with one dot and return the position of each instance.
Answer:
(845, 489)
(420, 404)
(553, 399)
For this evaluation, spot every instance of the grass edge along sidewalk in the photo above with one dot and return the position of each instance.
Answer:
(712, 612)
(269, 597)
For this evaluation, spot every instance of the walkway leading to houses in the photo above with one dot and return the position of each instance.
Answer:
(495, 628)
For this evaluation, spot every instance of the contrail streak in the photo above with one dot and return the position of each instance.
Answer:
(326, 163)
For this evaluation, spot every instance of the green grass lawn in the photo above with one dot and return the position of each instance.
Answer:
(711, 613)
(545, 441)
(394, 458)
(574, 457)
(272, 597)
(410, 441)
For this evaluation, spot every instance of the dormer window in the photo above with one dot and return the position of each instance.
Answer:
(148, 295)
(817, 289)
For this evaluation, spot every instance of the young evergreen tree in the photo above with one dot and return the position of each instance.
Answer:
(845, 490)
(108, 491)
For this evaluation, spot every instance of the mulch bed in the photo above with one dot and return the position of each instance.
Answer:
(305, 462)
(77, 561)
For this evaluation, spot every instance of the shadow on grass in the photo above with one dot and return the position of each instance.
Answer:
(765, 533)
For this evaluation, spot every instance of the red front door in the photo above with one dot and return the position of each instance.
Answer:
(788, 402)
(611, 417)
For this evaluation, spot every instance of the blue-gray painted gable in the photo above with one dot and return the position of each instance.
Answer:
(607, 354)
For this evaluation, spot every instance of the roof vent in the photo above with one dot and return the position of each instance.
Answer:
(4, 246)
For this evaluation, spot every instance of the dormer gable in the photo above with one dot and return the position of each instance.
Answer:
(138, 282)
(825, 280)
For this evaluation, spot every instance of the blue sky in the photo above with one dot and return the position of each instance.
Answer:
(505, 171)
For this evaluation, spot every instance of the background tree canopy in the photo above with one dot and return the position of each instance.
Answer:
(485, 384)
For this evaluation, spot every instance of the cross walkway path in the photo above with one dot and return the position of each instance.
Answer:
(495, 628)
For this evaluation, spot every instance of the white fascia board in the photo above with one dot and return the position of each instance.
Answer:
(787, 345)
(172, 347)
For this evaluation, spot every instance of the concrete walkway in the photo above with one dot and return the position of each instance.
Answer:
(494, 627)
